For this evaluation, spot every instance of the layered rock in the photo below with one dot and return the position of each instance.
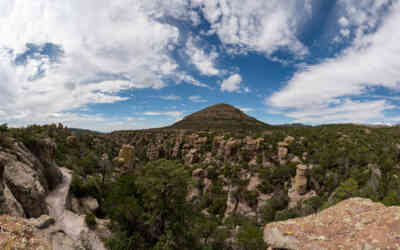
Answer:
(355, 223)
(25, 180)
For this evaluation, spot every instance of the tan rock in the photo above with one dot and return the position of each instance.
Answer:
(126, 157)
(90, 204)
(72, 139)
(18, 234)
(355, 223)
(253, 183)
(192, 157)
(300, 182)
(200, 173)
(282, 153)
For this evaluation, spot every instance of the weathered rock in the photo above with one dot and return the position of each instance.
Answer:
(90, 204)
(10, 205)
(191, 157)
(200, 173)
(253, 183)
(355, 223)
(153, 152)
(18, 234)
(42, 222)
(24, 183)
(300, 183)
(72, 139)
(126, 157)
(282, 153)
(230, 147)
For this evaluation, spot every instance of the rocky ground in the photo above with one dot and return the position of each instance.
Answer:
(353, 224)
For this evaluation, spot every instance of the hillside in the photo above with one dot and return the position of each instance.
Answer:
(220, 187)
(219, 116)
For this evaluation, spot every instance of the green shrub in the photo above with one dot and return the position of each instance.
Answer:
(3, 128)
(90, 221)
(250, 237)
(285, 214)
(5, 141)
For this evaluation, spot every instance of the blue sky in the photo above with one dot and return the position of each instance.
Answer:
(132, 64)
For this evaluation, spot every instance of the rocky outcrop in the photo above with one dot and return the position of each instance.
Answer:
(300, 181)
(26, 180)
(355, 223)
(126, 157)
(282, 148)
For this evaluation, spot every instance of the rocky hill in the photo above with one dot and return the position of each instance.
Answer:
(219, 116)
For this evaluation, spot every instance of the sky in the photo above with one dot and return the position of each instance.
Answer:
(133, 64)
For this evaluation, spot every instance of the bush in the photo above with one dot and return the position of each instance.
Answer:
(3, 128)
(250, 237)
(5, 141)
(90, 221)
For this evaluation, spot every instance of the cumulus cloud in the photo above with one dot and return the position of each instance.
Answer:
(371, 61)
(232, 83)
(102, 54)
(261, 26)
(205, 63)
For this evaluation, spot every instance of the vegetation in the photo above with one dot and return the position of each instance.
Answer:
(90, 221)
(148, 203)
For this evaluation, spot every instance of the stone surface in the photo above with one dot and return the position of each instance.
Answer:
(126, 157)
(355, 223)
(18, 234)
(90, 204)
(27, 178)
(42, 222)
(300, 181)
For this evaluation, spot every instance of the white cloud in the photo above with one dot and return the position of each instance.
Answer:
(197, 98)
(346, 111)
(258, 25)
(246, 110)
(173, 114)
(371, 61)
(204, 62)
(362, 16)
(171, 97)
(232, 84)
(101, 41)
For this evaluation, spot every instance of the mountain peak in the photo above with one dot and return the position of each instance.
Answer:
(219, 116)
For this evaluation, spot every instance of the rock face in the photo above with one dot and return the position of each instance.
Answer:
(26, 180)
(17, 233)
(355, 223)
(300, 183)
(126, 157)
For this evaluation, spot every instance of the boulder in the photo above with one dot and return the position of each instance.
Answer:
(90, 204)
(355, 223)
